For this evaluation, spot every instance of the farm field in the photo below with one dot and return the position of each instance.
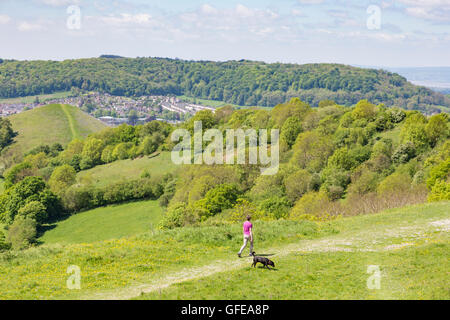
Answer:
(111, 222)
(409, 244)
(128, 169)
(41, 97)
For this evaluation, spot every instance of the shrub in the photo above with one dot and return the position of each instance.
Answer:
(396, 115)
(22, 233)
(242, 209)
(275, 207)
(440, 191)
(4, 245)
(177, 215)
(395, 183)
(439, 172)
(217, 199)
(404, 153)
(77, 198)
(297, 184)
(311, 204)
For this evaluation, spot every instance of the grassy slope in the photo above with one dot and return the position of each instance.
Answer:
(128, 169)
(106, 223)
(305, 253)
(42, 97)
(50, 124)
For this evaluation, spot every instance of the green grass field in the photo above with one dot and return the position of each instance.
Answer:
(41, 97)
(112, 222)
(51, 124)
(128, 169)
(314, 260)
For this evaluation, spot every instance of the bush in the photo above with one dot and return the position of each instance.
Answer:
(395, 183)
(242, 209)
(176, 216)
(217, 199)
(22, 233)
(77, 198)
(404, 153)
(4, 245)
(311, 204)
(297, 184)
(439, 172)
(440, 191)
(275, 207)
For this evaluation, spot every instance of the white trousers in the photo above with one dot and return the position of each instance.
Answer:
(246, 240)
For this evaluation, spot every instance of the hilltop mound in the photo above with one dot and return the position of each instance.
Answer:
(50, 124)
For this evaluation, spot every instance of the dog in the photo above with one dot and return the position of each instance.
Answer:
(265, 261)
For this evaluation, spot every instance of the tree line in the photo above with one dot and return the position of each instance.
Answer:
(245, 83)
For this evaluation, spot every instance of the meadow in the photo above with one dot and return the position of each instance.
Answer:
(103, 175)
(409, 244)
(111, 222)
(41, 97)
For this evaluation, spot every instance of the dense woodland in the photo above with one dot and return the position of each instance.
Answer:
(237, 82)
(335, 161)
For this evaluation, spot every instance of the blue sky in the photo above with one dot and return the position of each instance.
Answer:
(404, 33)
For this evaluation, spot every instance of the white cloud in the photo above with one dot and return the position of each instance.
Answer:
(434, 10)
(208, 9)
(59, 3)
(310, 1)
(125, 19)
(4, 19)
(28, 26)
(243, 11)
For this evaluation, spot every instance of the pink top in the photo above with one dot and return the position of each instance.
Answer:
(247, 226)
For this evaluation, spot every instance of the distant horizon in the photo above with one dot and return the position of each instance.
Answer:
(212, 60)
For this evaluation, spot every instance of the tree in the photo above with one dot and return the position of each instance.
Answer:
(404, 153)
(311, 151)
(437, 128)
(295, 107)
(133, 117)
(326, 103)
(6, 133)
(33, 210)
(92, 151)
(414, 131)
(297, 184)
(62, 178)
(364, 110)
(217, 199)
(290, 130)
(22, 233)
(28, 190)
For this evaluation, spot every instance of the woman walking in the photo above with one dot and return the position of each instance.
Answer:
(248, 236)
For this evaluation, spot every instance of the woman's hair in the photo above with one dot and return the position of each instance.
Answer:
(248, 218)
